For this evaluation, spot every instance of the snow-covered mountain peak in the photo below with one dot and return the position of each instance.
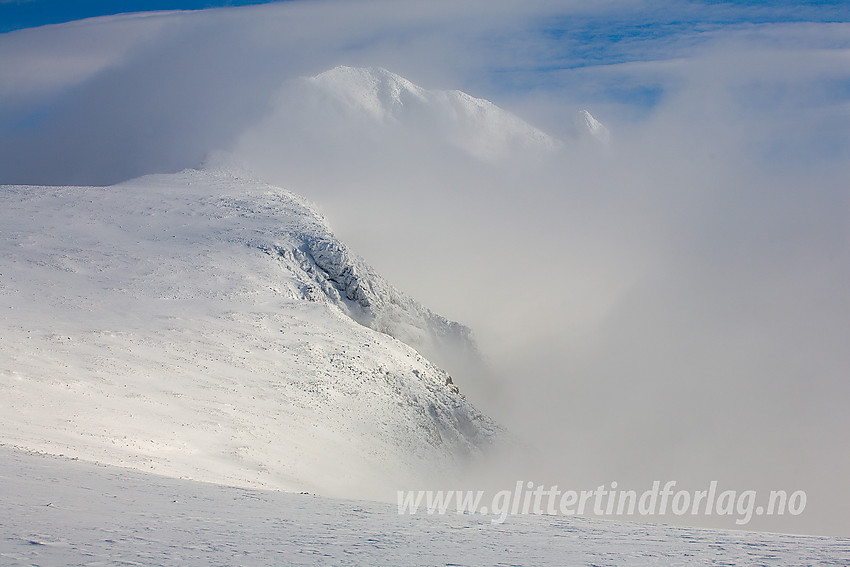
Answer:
(365, 107)
(373, 90)
(587, 124)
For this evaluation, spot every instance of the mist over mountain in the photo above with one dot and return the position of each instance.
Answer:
(242, 273)
(643, 233)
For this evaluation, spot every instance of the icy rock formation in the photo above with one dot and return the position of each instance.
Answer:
(355, 287)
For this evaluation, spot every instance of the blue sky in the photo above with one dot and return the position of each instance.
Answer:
(19, 14)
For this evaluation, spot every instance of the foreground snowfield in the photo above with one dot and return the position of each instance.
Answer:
(59, 512)
(206, 326)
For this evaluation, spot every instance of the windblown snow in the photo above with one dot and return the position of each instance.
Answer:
(210, 327)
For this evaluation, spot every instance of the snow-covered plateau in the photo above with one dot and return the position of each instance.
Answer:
(61, 513)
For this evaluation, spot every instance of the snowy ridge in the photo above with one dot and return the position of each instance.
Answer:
(179, 324)
(328, 270)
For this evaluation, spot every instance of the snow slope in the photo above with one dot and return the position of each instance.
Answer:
(62, 513)
(205, 326)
